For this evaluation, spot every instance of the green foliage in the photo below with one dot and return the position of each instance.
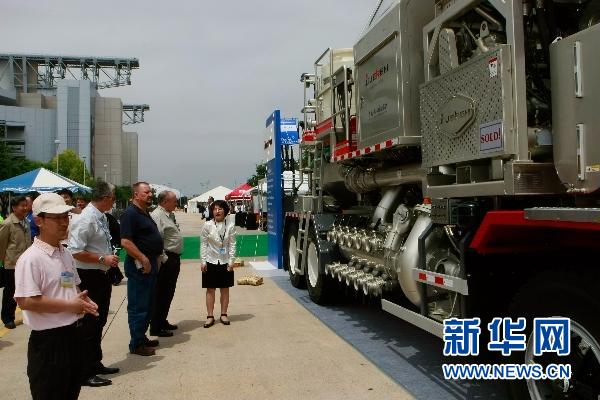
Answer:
(261, 172)
(70, 166)
(182, 201)
(123, 195)
(12, 166)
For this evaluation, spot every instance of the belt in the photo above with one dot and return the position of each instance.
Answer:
(60, 330)
(102, 271)
(170, 253)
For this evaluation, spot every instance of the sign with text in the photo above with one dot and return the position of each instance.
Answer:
(289, 131)
(272, 148)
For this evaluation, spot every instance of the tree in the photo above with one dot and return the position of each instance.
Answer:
(70, 166)
(123, 195)
(5, 161)
(261, 172)
(12, 166)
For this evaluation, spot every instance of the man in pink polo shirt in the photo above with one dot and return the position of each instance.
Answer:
(46, 290)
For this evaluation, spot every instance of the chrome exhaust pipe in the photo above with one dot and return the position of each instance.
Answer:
(361, 282)
(356, 278)
(367, 284)
(375, 287)
(333, 268)
(350, 276)
(341, 273)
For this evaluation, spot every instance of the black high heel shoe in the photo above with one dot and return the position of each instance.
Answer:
(224, 321)
(211, 323)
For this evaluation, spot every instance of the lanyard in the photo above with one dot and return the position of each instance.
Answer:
(105, 230)
(222, 237)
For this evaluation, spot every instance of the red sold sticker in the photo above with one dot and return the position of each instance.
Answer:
(491, 137)
(493, 66)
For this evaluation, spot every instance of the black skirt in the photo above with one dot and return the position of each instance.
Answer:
(217, 276)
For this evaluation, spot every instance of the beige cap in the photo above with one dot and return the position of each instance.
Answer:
(50, 203)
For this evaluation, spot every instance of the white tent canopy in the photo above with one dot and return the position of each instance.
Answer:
(40, 180)
(159, 188)
(217, 193)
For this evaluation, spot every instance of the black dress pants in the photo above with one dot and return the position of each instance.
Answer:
(54, 363)
(99, 288)
(166, 282)
(9, 305)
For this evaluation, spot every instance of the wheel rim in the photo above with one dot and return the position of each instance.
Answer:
(583, 343)
(292, 254)
(312, 263)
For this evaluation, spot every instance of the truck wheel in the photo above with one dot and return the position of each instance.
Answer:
(563, 294)
(319, 285)
(289, 256)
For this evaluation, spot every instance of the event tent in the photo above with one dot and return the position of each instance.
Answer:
(217, 193)
(40, 180)
(239, 193)
(157, 187)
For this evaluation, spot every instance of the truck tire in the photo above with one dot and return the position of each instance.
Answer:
(289, 256)
(319, 285)
(564, 293)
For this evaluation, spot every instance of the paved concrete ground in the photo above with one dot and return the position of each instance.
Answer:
(274, 349)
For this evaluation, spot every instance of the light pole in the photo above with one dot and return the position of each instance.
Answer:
(57, 143)
(105, 166)
(83, 158)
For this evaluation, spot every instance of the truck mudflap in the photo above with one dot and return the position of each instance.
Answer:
(524, 231)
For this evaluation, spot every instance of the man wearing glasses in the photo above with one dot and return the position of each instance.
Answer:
(46, 290)
(89, 242)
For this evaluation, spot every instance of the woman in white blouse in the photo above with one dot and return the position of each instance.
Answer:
(217, 251)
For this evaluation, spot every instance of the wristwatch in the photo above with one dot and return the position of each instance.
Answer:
(101, 260)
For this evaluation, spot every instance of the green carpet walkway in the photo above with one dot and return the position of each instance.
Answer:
(247, 246)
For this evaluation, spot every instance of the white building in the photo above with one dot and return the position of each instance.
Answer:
(42, 114)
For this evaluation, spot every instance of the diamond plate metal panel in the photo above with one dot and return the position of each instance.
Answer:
(486, 80)
(448, 55)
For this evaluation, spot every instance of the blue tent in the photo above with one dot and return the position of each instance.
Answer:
(40, 180)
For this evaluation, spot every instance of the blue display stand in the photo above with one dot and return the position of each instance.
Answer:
(278, 132)
(272, 148)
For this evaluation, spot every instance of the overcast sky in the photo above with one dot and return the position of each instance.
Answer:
(210, 71)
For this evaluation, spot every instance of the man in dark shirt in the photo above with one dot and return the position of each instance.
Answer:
(142, 241)
(208, 212)
(115, 274)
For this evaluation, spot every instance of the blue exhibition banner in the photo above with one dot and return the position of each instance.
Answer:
(289, 131)
(272, 147)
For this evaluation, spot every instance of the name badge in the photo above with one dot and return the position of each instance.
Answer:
(222, 250)
(66, 279)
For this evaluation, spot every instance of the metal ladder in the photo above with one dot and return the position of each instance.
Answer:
(302, 244)
(317, 175)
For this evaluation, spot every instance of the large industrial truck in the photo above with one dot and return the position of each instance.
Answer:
(453, 161)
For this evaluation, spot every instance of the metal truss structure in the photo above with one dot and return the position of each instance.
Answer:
(104, 72)
(134, 113)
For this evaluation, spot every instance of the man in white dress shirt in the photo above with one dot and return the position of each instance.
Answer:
(89, 242)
